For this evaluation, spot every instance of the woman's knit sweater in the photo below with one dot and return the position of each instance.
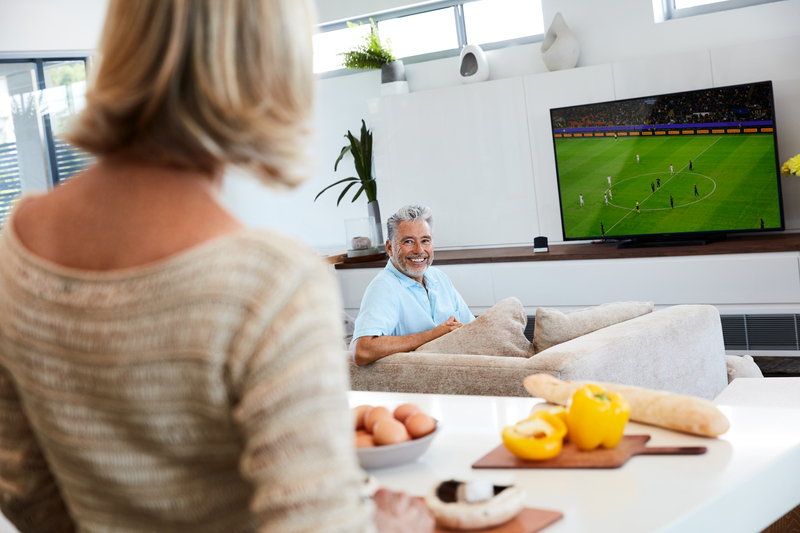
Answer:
(204, 392)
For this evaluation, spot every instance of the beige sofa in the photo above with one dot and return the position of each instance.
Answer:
(679, 349)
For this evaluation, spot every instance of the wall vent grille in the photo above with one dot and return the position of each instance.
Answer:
(744, 332)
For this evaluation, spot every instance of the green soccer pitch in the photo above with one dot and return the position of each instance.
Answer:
(735, 176)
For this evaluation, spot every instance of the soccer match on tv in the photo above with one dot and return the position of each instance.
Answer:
(697, 161)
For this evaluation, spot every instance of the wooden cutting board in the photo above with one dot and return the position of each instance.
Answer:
(572, 457)
(527, 521)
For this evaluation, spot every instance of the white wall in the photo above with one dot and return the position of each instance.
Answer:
(616, 36)
(50, 25)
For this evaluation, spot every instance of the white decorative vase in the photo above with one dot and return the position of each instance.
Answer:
(473, 65)
(393, 78)
(374, 211)
(560, 48)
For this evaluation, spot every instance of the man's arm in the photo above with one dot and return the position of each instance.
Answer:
(370, 349)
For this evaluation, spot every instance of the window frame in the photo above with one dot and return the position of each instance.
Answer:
(39, 60)
(672, 13)
(461, 32)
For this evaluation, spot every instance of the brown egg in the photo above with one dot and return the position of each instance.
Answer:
(390, 431)
(358, 414)
(420, 424)
(404, 411)
(365, 441)
(360, 432)
(373, 415)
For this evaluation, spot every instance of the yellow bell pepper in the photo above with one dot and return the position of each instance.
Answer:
(596, 418)
(560, 413)
(538, 437)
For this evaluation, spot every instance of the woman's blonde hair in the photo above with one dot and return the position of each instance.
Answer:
(199, 84)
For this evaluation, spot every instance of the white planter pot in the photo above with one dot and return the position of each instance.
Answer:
(393, 78)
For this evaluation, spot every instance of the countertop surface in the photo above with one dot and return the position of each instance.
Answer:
(746, 480)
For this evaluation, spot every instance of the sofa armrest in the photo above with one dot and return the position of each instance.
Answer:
(437, 373)
(679, 349)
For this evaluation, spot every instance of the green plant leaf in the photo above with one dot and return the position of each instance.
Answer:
(358, 193)
(352, 178)
(341, 155)
(344, 192)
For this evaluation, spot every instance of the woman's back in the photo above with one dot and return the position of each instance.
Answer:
(150, 388)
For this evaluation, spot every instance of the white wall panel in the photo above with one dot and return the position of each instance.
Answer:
(465, 152)
(473, 283)
(777, 59)
(546, 91)
(732, 279)
(662, 75)
(353, 283)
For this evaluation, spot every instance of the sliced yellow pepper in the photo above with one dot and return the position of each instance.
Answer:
(536, 438)
(596, 418)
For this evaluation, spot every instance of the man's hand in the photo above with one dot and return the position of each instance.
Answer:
(370, 349)
(397, 512)
(451, 324)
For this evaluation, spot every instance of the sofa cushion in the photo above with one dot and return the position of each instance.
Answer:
(499, 331)
(742, 367)
(554, 327)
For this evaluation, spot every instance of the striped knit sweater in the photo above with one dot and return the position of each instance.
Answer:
(205, 392)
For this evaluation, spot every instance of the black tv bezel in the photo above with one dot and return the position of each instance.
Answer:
(691, 237)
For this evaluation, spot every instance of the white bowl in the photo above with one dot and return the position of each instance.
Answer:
(395, 454)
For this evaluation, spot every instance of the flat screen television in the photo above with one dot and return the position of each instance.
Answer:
(671, 168)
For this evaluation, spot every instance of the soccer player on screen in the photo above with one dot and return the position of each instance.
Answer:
(762, 224)
(690, 164)
(605, 197)
(653, 186)
(670, 170)
(609, 181)
(658, 183)
(581, 197)
(637, 206)
(695, 190)
(671, 202)
(637, 159)
(603, 229)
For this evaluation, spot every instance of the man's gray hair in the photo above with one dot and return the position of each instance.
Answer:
(409, 213)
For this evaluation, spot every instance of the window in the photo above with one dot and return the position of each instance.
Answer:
(424, 33)
(328, 45)
(690, 8)
(37, 100)
(502, 20)
(436, 29)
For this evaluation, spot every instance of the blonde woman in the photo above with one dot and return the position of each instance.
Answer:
(163, 368)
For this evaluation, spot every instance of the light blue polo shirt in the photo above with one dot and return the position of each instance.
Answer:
(394, 304)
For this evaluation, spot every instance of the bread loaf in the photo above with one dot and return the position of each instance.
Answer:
(658, 408)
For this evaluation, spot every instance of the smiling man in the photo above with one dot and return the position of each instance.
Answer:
(410, 302)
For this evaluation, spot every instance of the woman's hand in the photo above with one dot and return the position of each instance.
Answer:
(400, 513)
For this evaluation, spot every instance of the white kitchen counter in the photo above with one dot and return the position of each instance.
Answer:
(746, 480)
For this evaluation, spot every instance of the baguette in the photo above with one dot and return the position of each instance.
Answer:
(658, 408)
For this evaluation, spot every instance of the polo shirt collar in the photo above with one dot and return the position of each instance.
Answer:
(406, 281)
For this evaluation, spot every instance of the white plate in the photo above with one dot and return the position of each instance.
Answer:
(395, 454)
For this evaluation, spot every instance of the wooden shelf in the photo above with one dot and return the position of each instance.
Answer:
(782, 242)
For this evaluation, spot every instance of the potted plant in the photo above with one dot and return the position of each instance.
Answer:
(361, 150)
(373, 54)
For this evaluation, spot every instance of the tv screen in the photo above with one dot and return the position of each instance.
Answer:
(669, 166)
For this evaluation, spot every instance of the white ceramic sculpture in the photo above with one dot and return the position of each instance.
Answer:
(473, 65)
(560, 48)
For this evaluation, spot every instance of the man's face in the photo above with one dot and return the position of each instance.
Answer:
(412, 248)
